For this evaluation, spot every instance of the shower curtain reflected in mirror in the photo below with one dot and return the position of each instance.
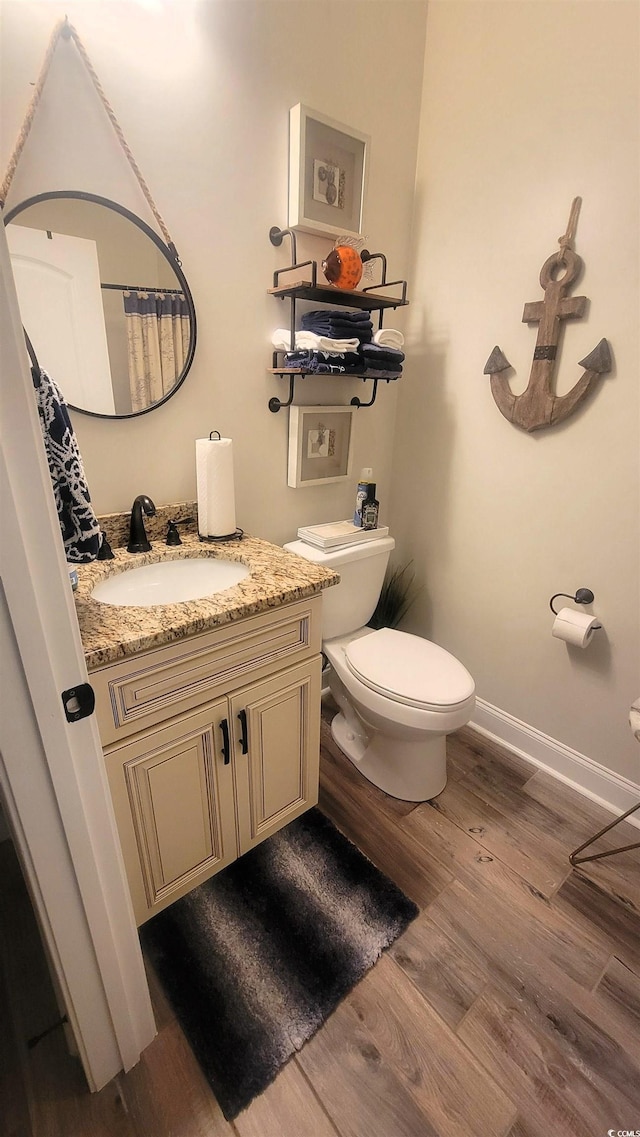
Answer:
(158, 331)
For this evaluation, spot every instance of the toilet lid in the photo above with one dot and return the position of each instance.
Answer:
(409, 669)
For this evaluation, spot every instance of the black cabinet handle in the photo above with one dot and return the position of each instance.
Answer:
(244, 742)
(225, 748)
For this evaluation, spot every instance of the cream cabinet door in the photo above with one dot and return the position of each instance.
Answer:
(276, 729)
(173, 796)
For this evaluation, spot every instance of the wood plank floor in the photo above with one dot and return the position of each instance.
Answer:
(509, 1008)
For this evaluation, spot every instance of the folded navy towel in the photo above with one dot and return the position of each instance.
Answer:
(360, 317)
(346, 328)
(383, 354)
(312, 320)
(78, 524)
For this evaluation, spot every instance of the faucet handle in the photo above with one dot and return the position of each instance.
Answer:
(105, 552)
(173, 537)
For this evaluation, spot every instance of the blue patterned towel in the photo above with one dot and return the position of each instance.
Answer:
(324, 362)
(78, 524)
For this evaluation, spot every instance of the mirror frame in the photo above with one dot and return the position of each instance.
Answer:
(80, 195)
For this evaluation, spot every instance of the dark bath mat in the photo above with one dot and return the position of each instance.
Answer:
(255, 959)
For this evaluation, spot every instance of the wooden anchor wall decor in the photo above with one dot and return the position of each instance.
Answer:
(539, 406)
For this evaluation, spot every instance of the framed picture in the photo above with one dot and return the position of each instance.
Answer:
(327, 174)
(319, 445)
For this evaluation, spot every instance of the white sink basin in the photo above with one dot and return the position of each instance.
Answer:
(169, 582)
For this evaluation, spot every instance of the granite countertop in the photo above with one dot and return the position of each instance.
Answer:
(110, 632)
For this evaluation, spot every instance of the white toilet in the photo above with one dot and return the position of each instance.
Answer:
(399, 695)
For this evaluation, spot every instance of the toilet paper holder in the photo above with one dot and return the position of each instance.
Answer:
(582, 596)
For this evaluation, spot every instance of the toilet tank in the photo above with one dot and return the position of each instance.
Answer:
(349, 605)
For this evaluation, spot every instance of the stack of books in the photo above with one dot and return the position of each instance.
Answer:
(335, 534)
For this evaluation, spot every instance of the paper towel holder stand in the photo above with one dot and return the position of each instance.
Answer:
(582, 596)
(237, 534)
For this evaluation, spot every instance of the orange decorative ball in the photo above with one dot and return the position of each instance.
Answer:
(343, 267)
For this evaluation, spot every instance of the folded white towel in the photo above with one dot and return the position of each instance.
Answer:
(388, 337)
(309, 341)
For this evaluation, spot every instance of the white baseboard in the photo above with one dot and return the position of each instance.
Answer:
(603, 786)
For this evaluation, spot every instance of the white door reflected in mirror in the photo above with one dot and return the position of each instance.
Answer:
(58, 284)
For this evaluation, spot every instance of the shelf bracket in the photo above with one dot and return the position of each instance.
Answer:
(276, 404)
(384, 283)
(275, 236)
(356, 402)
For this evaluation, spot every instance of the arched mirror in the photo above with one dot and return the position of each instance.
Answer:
(104, 301)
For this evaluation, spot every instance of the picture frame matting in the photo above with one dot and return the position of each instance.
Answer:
(328, 167)
(320, 445)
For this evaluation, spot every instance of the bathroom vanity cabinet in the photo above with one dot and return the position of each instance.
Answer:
(211, 744)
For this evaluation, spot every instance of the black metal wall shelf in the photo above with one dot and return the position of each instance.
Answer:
(329, 294)
(292, 374)
(368, 299)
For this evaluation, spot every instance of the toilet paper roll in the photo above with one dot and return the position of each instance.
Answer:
(574, 627)
(215, 488)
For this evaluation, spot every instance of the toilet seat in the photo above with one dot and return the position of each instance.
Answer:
(402, 667)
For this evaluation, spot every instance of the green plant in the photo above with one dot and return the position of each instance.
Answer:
(396, 597)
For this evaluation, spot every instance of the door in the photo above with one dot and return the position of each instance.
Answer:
(58, 284)
(277, 750)
(51, 771)
(172, 791)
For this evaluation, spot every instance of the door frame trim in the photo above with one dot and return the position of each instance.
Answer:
(100, 968)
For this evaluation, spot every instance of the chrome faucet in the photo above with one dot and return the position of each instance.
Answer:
(138, 542)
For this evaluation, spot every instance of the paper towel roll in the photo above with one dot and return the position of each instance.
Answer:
(215, 488)
(574, 627)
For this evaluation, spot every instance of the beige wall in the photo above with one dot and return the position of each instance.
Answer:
(202, 91)
(525, 105)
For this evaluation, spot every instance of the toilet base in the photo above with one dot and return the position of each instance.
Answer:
(411, 771)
